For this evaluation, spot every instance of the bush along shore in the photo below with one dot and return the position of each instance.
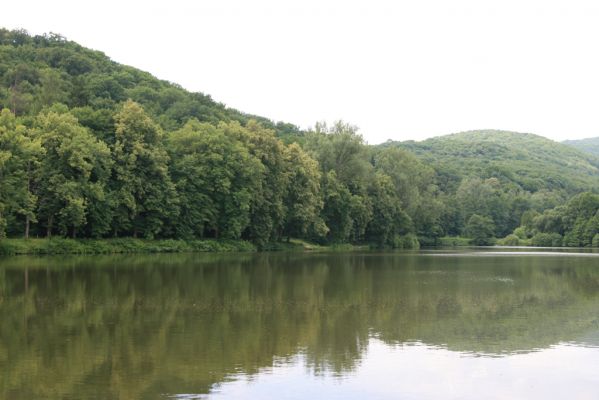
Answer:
(110, 246)
(59, 245)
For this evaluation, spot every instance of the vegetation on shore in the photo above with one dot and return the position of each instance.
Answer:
(91, 149)
(58, 245)
(121, 245)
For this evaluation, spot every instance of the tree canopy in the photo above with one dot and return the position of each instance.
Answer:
(93, 148)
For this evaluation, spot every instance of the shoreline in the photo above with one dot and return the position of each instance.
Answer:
(58, 246)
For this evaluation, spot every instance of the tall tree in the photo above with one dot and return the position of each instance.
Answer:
(267, 207)
(337, 208)
(415, 189)
(73, 174)
(388, 219)
(19, 157)
(145, 197)
(303, 201)
(216, 178)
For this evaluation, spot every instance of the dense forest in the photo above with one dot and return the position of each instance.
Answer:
(590, 145)
(91, 148)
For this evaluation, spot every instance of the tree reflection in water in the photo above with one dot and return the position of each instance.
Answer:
(139, 326)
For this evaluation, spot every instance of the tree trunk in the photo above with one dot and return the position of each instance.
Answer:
(49, 227)
(27, 219)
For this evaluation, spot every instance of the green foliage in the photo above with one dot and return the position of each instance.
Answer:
(415, 189)
(480, 230)
(216, 178)
(521, 232)
(509, 240)
(303, 202)
(145, 197)
(36, 71)
(72, 177)
(94, 149)
(337, 210)
(341, 149)
(388, 219)
(574, 224)
(547, 240)
(19, 160)
(590, 145)
(268, 209)
(123, 245)
(529, 162)
(408, 241)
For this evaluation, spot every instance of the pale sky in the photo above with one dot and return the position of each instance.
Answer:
(397, 69)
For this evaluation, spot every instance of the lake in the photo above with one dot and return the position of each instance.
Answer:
(442, 324)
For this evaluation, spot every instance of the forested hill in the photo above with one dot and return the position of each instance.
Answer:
(90, 148)
(36, 71)
(590, 145)
(532, 162)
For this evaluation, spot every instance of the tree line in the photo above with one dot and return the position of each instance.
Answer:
(91, 148)
(206, 181)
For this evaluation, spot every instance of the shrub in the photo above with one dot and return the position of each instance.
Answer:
(510, 240)
(124, 245)
(409, 241)
(547, 240)
(521, 232)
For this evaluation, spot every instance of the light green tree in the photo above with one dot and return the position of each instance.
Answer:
(145, 197)
(303, 200)
(19, 157)
(216, 178)
(72, 174)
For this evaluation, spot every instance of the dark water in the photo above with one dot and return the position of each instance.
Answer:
(428, 325)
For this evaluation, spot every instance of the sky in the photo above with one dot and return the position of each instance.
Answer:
(398, 70)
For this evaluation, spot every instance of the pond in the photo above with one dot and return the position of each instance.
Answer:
(467, 324)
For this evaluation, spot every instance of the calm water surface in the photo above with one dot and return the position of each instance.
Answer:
(428, 325)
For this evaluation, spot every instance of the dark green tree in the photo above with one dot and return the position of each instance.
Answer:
(480, 230)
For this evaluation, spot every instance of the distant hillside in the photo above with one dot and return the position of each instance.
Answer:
(36, 71)
(590, 145)
(529, 161)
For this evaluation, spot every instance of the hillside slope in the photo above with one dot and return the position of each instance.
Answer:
(238, 181)
(529, 161)
(36, 71)
(590, 145)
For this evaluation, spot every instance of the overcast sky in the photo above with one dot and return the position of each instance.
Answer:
(397, 69)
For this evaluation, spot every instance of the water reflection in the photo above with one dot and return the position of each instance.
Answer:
(153, 326)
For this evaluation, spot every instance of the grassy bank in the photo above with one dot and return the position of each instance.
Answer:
(109, 246)
(130, 245)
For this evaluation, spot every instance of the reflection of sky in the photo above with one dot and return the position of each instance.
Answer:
(422, 372)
